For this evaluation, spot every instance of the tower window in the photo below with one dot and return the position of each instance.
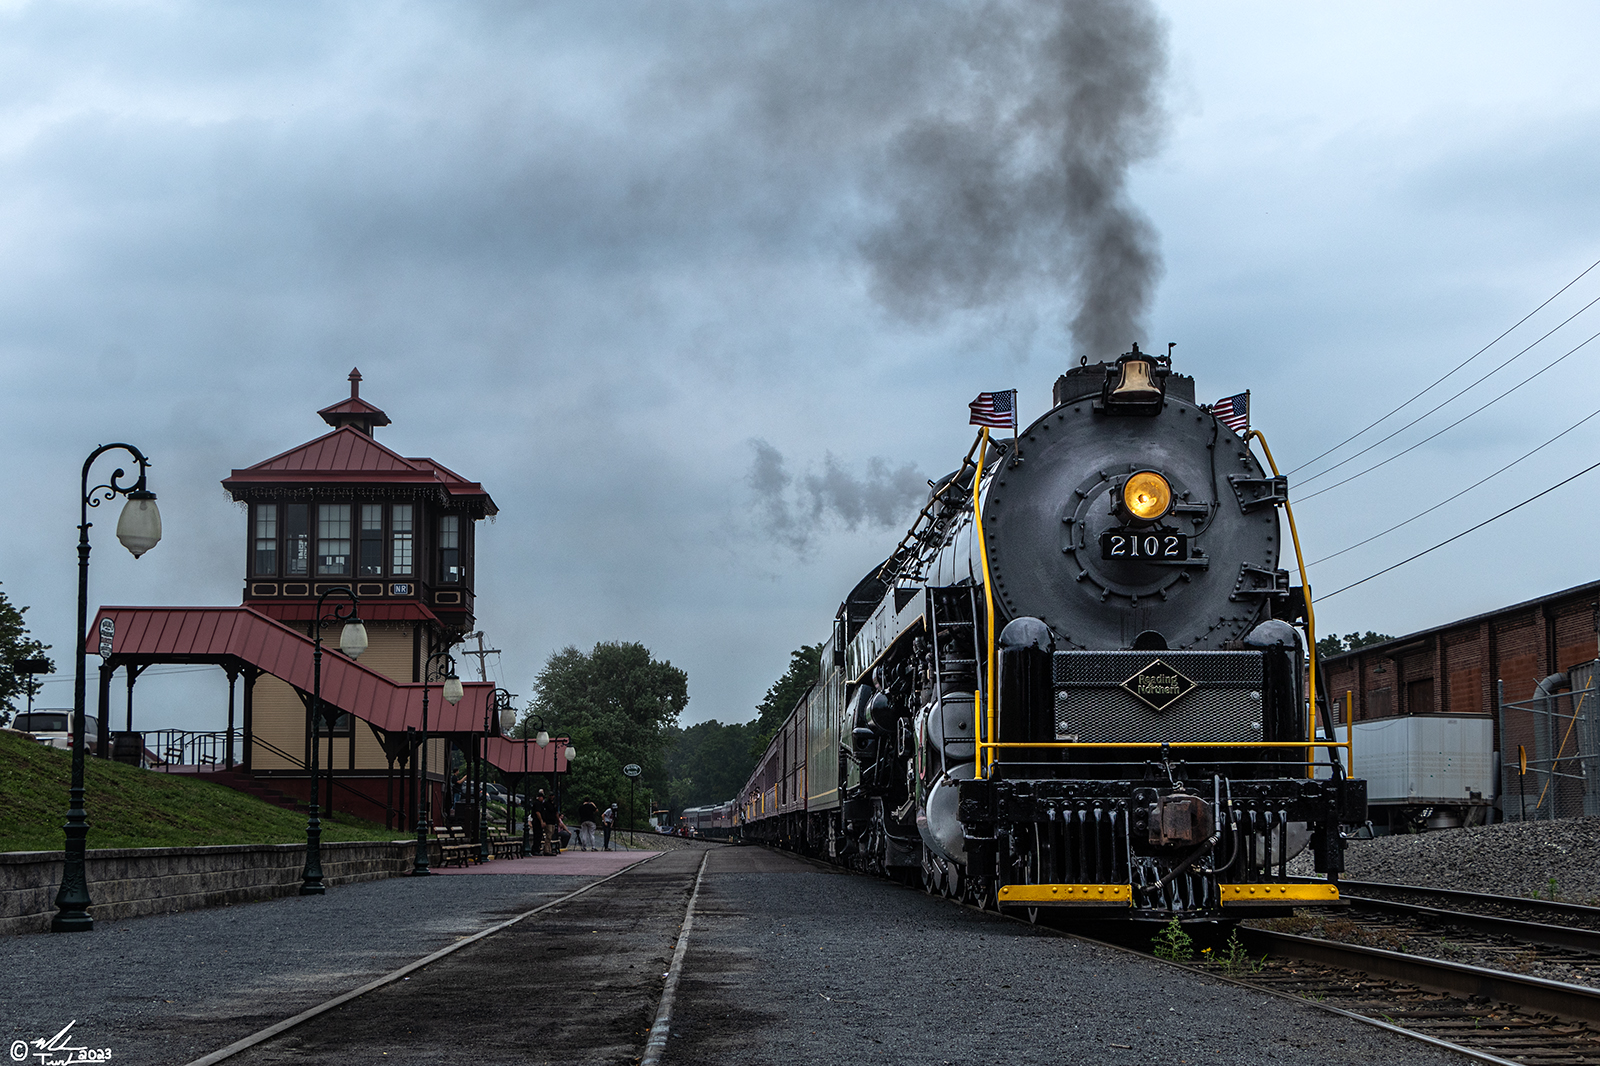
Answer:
(400, 540)
(333, 539)
(297, 538)
(371, 540)
(450, 549)
(266, 543)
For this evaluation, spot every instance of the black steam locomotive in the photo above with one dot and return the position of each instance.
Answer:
(1079, 681)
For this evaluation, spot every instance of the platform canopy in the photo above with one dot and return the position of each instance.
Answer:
(239, 637)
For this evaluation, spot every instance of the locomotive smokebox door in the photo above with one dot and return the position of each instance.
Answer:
(1180, 819)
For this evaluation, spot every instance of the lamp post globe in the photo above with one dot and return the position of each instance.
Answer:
(453, 690)
(353, 641)
(139, 526)
(571, 753)
(542, 739)
(139, 530)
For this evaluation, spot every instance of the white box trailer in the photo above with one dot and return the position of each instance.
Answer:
(1430, 770)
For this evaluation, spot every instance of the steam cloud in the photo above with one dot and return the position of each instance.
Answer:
(1024, 180)
(794, 509)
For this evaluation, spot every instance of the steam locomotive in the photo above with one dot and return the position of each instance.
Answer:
(1080, 680)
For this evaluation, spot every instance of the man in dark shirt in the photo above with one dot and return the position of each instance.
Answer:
(547, 816)
(588, 814)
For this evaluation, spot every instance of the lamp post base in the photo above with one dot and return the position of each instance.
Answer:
(72, 901)
(311, 879)
(419, 865)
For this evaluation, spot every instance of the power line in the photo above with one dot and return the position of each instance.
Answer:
(1447, 374)
(149, 671)
(1458, 536)
(1460, 494)
(1458, 395)
(1451, 426)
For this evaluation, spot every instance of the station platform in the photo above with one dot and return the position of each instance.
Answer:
(568, 864)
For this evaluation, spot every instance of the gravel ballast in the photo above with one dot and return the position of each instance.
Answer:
(1508, 859)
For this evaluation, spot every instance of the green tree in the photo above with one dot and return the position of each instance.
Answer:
(1336, 645)
(15, 644)
(709, 763)
(618, 705)
(780, 699)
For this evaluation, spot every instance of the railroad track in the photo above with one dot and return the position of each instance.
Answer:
(1507, 979)
(1484, 1011)
(1488, 1013)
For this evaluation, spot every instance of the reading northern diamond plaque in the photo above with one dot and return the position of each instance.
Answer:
(1158, 685)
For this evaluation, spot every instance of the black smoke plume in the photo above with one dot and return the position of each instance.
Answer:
(1020, 180)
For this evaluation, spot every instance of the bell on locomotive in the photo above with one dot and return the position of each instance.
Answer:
(1114, 710)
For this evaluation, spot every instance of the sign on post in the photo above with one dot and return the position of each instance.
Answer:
(632, 770)
(108, 629)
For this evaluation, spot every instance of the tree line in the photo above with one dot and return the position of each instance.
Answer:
(618, 704)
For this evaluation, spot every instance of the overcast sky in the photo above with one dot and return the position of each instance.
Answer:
(626, 265)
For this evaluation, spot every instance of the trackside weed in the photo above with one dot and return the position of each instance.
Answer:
(1172, 943)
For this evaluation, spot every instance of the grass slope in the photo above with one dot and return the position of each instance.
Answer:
(133, 808)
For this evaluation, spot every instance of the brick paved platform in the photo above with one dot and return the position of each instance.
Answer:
(572, 863)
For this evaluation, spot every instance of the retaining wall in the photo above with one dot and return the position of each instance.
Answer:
(131, 882)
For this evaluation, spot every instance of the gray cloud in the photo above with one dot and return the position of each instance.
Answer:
(797, 509)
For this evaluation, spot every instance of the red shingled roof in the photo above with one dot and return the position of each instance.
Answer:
(349, 456)
(220, 634)
(353, 406)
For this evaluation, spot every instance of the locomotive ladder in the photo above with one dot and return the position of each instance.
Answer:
(956, 660)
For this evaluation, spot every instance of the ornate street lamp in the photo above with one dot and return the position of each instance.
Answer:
(452, 692)
(508, 718)
(352, 641)
(139, 530)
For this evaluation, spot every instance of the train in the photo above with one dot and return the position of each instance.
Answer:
(1079, 680)
(713, 821)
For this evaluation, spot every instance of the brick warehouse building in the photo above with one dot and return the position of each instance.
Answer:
(1460, 668)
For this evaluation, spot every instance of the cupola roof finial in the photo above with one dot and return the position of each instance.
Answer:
(354, 412)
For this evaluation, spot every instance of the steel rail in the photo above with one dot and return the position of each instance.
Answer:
(1573, 1002)
(1555, 936)
(1549, 908)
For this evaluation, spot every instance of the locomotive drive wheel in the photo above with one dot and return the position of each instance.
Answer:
(981, 893)
(1031, 865)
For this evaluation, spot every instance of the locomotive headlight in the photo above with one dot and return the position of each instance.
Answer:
(1147, 496)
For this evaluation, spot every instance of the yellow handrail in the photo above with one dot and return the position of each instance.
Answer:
(982, 764)
(1305, 592)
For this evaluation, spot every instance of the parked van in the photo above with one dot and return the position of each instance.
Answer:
(53, 726)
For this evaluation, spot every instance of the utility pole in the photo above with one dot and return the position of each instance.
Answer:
(482, 653)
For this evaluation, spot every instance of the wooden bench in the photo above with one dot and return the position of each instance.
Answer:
(503, 845)
(455, 848)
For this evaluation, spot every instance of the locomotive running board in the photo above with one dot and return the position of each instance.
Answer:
(1066, 895)
(1319, 892)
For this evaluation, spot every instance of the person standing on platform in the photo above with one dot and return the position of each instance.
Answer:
(548, 815)
(607, 821)
(588, 815)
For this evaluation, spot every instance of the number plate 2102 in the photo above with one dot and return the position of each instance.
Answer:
(1144, 544)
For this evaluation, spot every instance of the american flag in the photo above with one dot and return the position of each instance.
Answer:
(1234, 412)
(997, 410)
